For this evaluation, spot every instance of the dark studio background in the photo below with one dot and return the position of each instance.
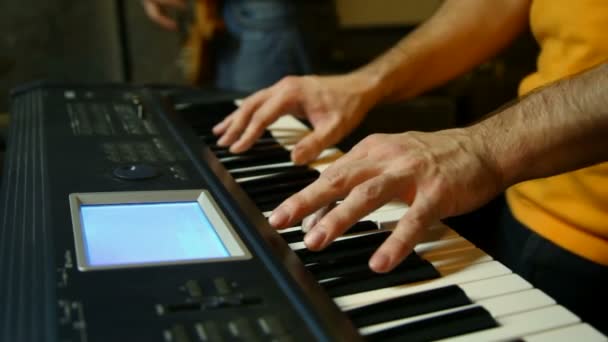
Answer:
(113, 41)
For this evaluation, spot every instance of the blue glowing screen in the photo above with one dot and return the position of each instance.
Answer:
(120, 234)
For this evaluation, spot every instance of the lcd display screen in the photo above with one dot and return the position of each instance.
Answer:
(126, 234)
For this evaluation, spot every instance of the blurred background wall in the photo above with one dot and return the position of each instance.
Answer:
(57, 39)
(113, 41)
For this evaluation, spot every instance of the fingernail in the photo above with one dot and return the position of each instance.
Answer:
(278, 218)
(379, 263)
(315, 238)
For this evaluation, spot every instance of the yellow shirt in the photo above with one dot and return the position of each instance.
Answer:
(570, 209)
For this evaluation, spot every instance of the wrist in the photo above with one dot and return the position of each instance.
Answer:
(486, 145)
(368, 85)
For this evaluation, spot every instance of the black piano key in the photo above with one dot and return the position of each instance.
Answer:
(285, 187)
(270, 157)
(293, 236)
(409, 306)
(202, 124)
(322, 272)
(210, 139)
(359, 227)
(443, 326)
(355, 265)
(268, 206)
(271, 204)
(260, 143)
(267, 171)
(280, 177)
(367, 281)
(222, 152)
(276, 198)
(344, 248)
(288, 177)
(202, 108)
(362, 227)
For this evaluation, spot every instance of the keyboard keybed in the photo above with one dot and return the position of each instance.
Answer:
(447, 289)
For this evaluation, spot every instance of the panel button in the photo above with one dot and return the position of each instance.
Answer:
(271, 325)
(177, 334)
(242, 329)
(223, 286)
(136, 172)
(207, 332)
(193, 288)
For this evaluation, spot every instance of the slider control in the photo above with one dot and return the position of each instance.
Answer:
(139, 107)
(210, 303)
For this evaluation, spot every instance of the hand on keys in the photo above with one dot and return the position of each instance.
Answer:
(438, 174)
(334, 105)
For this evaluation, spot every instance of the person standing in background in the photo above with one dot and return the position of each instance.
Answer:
(248, 45)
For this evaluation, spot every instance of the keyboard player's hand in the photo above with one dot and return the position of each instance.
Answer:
(334, 105)
(439, 174)
(156, 10)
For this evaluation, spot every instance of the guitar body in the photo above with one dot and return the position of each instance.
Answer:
(194, 58)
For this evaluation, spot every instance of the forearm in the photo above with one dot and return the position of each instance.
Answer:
(460, 35)
(559, 128)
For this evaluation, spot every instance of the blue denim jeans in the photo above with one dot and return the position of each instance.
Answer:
(266, 40)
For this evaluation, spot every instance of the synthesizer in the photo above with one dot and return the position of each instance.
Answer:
(118, 225)
(518, 310)
(377, 304)
(121, 220)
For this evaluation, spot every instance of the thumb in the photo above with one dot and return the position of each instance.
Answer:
(309, 148)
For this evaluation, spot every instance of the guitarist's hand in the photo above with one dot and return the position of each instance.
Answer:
(157, 11)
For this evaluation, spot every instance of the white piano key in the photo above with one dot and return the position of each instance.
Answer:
(446, 244)
(386, 214)
(577, 332)
(484, 281)
(517, 325)
(516, 302)
(459, 258)
(492, 287)
(325, 159)
(391, 324)
(288, 125)
(260, 167)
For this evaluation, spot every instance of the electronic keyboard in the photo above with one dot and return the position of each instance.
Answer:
(519, 310)
(121, 220)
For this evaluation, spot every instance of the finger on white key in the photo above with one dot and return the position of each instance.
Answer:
(239, 119)
(311, 145)
(333, 184)
(223, 125)
(365, 197)
(265, 115)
